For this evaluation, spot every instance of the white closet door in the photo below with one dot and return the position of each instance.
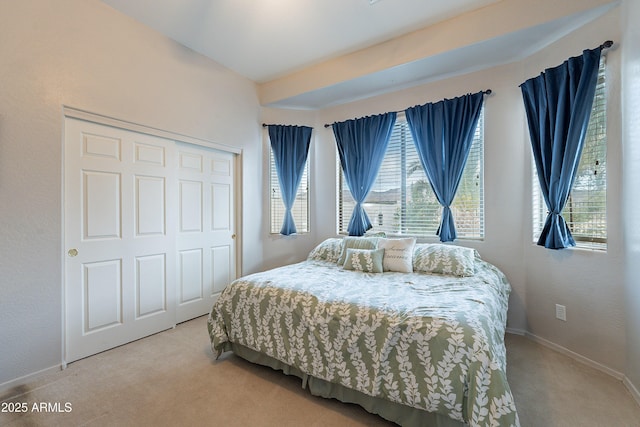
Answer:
(120, 221)
(206, 245)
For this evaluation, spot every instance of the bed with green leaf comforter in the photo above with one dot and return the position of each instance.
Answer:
(416, 348)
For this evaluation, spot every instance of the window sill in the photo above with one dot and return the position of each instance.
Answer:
(584, 246)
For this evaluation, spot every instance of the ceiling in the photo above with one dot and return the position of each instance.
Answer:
(263, 40)
(499, 50)
(267, 41)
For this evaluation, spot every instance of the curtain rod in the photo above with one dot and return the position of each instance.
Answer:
(484, 92)
(264, 125)
(606, 45)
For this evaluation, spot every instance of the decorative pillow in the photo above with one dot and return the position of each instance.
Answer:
(365, 260)
(444, 259)
(329, 250)
(398, 254)
(356, 243)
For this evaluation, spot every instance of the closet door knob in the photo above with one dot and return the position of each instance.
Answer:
(233, 236)
(73, 252)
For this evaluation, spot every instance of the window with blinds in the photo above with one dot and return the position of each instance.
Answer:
(300, 209)
(586, 208)
(401, 201)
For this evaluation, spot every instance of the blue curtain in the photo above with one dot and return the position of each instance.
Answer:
(290, 146)
(362, 144)
(443, 133)
(558, 104)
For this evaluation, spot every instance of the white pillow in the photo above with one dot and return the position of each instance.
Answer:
(398, 254)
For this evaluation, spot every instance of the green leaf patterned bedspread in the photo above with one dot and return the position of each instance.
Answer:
(427, 341)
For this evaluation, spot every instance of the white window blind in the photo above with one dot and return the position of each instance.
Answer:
(300, 209)
(401, 201)
(586, 208)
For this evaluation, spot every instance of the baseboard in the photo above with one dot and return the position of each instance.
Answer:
(578, 357)
(632, 389)
(515, 331)
(24, 380)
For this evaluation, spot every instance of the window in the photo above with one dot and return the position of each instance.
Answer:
(586, 208)
(401, 201)
(300, 208)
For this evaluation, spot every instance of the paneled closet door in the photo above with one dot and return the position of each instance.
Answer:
(206, 244)
(120, 190)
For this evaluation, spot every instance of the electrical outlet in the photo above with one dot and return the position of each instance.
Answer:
(561, 312)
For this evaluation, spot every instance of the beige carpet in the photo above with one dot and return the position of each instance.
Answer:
(171, 379)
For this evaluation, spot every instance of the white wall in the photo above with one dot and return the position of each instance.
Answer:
(84, 54)
(631, 156)
(589, 283)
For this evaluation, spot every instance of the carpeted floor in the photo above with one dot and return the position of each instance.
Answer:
(171, 379)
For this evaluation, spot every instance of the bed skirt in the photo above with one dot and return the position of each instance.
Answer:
(395, 412)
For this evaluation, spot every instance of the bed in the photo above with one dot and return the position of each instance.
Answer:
(419, 347)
